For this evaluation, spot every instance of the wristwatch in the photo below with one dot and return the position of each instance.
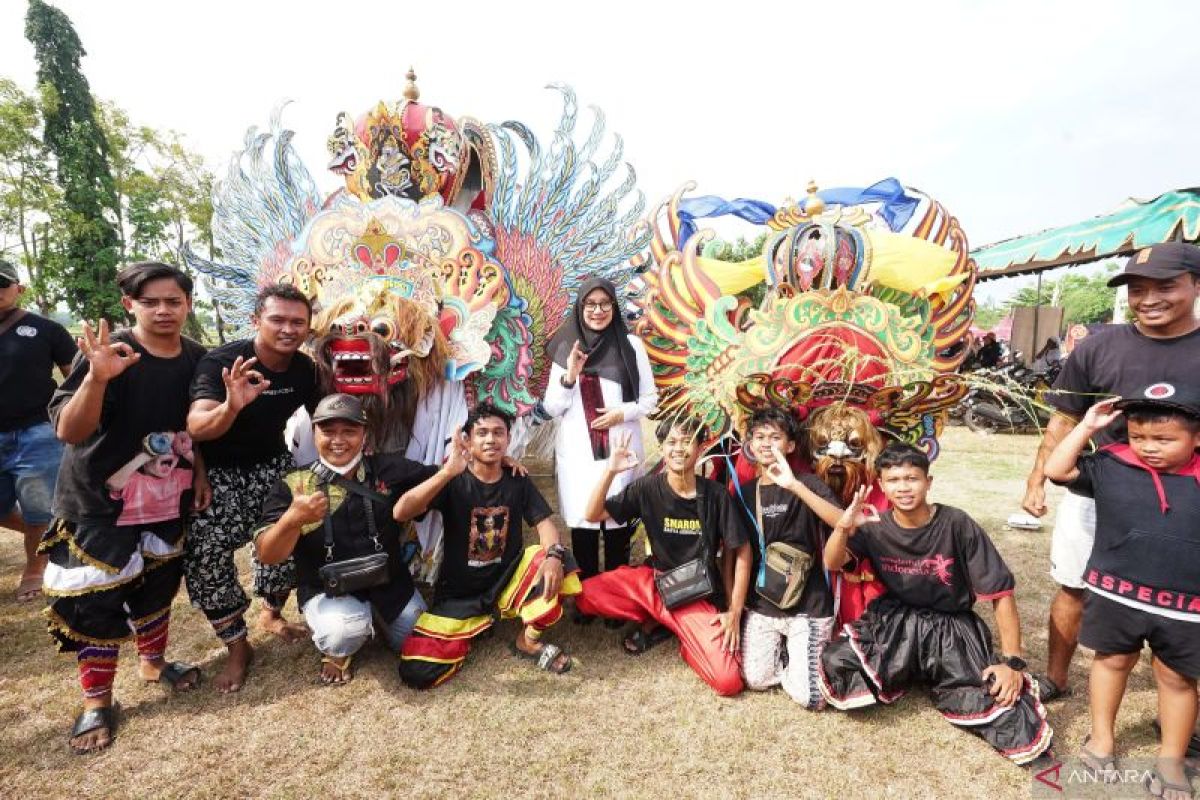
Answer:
(556, 551)
(563, 381)
(1014, 662)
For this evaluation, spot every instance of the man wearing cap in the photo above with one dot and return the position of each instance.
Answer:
(335, 518)
(1161, 345)
(30, 347)
(241, 397)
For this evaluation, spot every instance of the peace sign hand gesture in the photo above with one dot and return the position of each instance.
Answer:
(622, 459)
(243, 384)
(106, 359)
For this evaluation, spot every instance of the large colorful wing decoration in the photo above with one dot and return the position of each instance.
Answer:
(479, 227)
(868, 295)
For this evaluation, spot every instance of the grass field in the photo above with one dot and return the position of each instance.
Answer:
(615, 726)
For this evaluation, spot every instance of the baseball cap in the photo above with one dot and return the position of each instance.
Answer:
(1160, 262)
(1168, 396)
(8, 271)
(340, 406)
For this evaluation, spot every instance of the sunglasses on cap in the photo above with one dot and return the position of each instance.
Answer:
(6, 282)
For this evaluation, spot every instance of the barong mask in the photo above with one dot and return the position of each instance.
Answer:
(843, 445)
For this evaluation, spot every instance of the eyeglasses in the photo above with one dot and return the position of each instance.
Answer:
(6, 282)
(604, 306)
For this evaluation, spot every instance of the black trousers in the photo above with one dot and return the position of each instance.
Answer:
(585, 544)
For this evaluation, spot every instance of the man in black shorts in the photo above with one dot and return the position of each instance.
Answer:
(242, 395)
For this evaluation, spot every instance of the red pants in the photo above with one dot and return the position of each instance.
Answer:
(629, 593)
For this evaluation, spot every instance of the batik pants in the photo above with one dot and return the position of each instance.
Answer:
(629, 593)
(105, 584)
(441, 640)
(785, 651)
(893, 646)
(218, 532)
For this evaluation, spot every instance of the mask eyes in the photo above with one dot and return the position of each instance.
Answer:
(383, 327)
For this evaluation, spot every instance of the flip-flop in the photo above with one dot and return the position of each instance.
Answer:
(1048, 690)
(343, 665)
(1158, 786)
(29, 589)
(546, 658)
(174, 672)
(640, 641)
(1104, 767)
(92, 719)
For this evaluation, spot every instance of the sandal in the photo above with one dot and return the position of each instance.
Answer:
(342, 665)
(175, 673)
(1049, 691)
(29, 589)
(93, 719)
(640, 641)
(1158, 786)
(1103, 767)
(549, 657)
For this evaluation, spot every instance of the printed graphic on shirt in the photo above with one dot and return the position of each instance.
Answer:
(151, 484)
(682, 527)
(489, 534)
(938, 566)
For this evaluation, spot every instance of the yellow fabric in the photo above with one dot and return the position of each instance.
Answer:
(450, 628)
(909, 264)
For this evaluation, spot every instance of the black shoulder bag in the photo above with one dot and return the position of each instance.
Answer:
(693, 580)
(352, 574)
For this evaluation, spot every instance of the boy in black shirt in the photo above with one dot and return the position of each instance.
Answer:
(781, 645)
(935, 562)
(242, 396)
(115, 550)
(486, 572)
(1142, 581)
(687, 519)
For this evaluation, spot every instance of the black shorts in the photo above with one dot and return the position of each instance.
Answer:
(1112, 627)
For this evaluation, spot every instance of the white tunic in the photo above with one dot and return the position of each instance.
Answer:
(577, 472)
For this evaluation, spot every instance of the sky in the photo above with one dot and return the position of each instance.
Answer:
(1017, 116)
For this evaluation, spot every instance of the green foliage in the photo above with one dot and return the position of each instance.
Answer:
(72, 134)
(1084, 298)
(741, 250)
(987, 316)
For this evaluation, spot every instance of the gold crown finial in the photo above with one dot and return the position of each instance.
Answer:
(813, 204)
(411, 92)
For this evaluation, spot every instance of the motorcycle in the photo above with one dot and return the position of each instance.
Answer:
(1011, 401)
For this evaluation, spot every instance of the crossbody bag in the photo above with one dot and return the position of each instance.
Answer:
(692, 580)
(352, 574)
(784, 568)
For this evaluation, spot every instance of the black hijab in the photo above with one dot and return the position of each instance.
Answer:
(610, 355)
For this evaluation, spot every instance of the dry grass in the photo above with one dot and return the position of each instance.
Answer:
(615, 726)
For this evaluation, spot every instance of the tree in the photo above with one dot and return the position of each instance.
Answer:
(1084, 298)
(739, 251)
(988, 315)
(72, 133)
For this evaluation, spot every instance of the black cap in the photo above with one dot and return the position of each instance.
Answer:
(340, 406)
(8, 271)
(1160, 262)
(1184, 398)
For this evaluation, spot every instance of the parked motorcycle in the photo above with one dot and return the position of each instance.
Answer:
(1009, 399)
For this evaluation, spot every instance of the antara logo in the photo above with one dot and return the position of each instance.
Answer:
(1051, 776)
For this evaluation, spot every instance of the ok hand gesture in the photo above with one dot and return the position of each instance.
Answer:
(781, 471)
(106, 359)
(243, 384)
(622, 459)
(575, 362)
(858, 512)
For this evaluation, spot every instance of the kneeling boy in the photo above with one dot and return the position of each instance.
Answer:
(1142, 581)
(486, 573)
(935, 562)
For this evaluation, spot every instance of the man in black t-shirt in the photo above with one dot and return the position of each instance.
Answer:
(242, 396)
(687, 520)
(935, 562)
(486, 570)
(125, 489)
(30, 347)
(780, 645)
(1162, 344)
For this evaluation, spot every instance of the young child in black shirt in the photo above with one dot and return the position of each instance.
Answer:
(935, 561)
(1142, 581)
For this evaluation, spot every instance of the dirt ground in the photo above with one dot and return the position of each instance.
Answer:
(615, 726)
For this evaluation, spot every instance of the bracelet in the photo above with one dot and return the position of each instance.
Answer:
(563, 382)
(556, 551)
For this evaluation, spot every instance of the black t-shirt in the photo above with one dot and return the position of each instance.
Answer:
(483, 533)
(673, 522)
(785, 518)
(389, 474)
(256, 435)
(1120, 360)
(944, 565)
(151, 396)
(29, 351)
(1143, 555)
